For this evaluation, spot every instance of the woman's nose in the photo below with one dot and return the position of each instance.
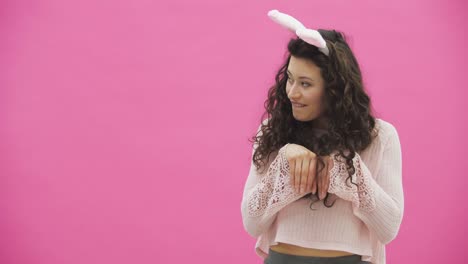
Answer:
(293, 92)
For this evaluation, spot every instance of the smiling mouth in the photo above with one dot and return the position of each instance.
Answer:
(298, 105)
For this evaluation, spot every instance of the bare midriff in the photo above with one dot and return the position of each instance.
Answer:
(310, 252)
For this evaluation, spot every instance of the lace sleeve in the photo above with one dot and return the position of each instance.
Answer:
(378, 198)
(265, 195)
(360, 193)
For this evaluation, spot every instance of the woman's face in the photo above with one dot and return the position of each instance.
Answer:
(305, 86)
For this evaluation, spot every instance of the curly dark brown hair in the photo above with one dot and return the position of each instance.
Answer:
(350, 122)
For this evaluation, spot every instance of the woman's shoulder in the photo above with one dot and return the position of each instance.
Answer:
(384, 131)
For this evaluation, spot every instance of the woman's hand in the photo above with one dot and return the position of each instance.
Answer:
(323, 179)
(303, 164)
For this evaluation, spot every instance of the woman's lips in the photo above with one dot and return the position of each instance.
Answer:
(298, 105)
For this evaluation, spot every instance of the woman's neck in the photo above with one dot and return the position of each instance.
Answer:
(316, 124)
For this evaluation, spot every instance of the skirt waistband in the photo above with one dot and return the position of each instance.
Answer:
(275, 257)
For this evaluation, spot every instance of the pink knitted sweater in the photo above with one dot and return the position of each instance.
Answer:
(362, 220)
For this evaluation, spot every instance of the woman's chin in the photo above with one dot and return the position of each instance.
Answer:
(302, 119)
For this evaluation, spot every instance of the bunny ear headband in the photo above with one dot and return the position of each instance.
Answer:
(310, 36)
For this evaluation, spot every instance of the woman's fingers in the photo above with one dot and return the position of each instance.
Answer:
(302, 168)
(292, 166)
(319, 180)
(327, 175)
(304, 174)
(316, 177)
(323, 180)
(324, 186)
(298, 176)
(314, 185)
(311, 177)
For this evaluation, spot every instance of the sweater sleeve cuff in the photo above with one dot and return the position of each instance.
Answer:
(273, 191)
(358, 189)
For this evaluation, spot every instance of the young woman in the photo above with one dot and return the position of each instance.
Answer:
(325, 182)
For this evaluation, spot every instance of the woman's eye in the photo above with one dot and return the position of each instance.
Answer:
(305, 84)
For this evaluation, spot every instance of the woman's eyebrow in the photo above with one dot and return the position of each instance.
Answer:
(301, 77)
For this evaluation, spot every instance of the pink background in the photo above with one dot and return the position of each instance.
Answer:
(125, 124)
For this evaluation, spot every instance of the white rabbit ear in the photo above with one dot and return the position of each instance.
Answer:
(285, 20)
(310, 36)
(313, 37)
